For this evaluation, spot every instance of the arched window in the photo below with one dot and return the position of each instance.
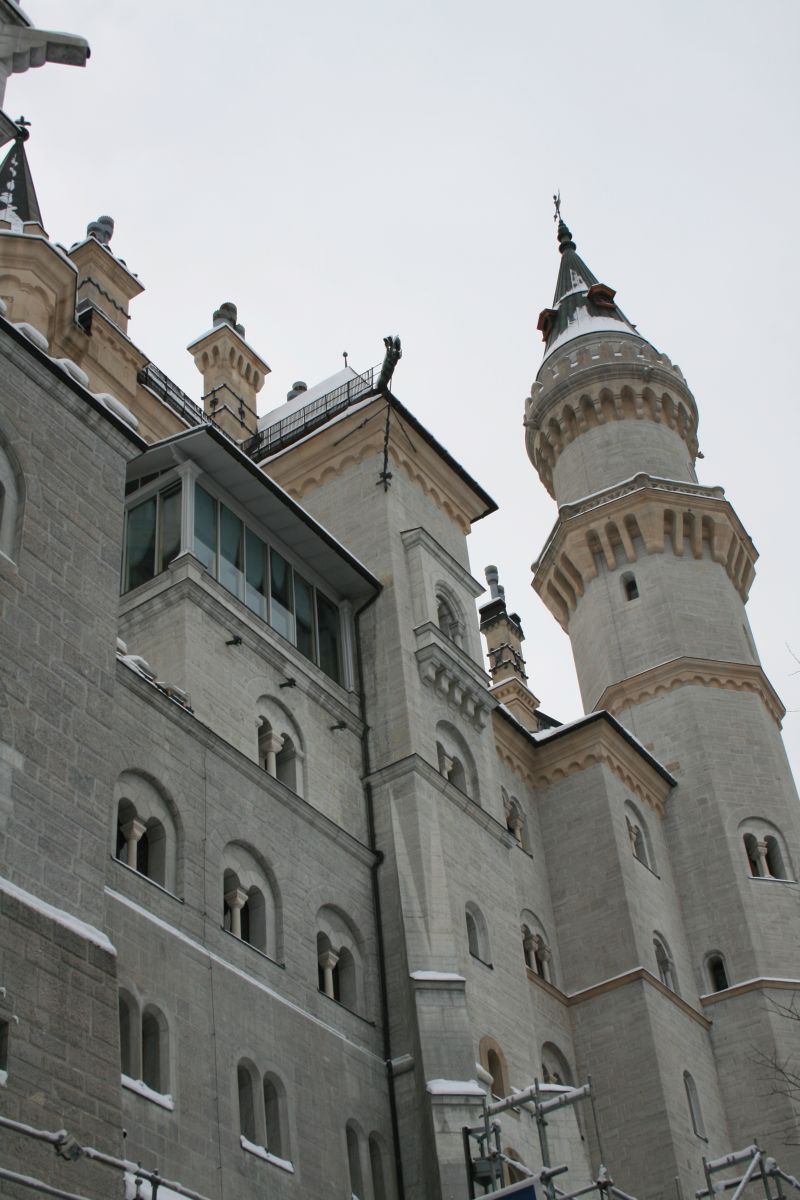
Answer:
(263, 1114)
(354, 1139)
(454, 759)
(765, 849)
(339, 959)
(155, 1051)
(9, 507)
(280, 745)
(377, 1170)
(250, 900)
(448, 615)
(639, 836)
(630, 588)
(555, 1067)
(535, 947)
(247, 1106)
(493, 1060)
(693, 1100)
(477, 933)
(128, 1036)
(664, 964)
(716, 971)
(146, 829)
(515, 821)
(275, 1116)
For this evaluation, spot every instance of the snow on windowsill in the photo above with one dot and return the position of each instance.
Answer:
(82, 928)
(262, 1152)
(141, 1088)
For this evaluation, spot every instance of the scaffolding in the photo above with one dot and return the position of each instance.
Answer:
(68, 1148)
(486, 1169)
(760, 1169)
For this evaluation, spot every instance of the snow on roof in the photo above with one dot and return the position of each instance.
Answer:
(82, 928)
(307, 397)
(583, 322)
(438, 976)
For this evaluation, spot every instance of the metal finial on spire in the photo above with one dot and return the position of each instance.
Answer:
(23, 126)
(557, 205)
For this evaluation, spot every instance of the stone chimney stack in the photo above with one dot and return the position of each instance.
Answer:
(233, 374)
(104, 281)
(504, 638)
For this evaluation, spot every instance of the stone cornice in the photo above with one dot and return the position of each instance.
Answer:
(762, 984)
(420, 537)
(643, 515)
(684, 672)
(452, 673)
(358, 436)
(414, 764)
(540, 764)
(277, 791)
(602, 380)
(634, 975)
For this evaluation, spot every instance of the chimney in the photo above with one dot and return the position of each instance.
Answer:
(233, 374)
(104, 281)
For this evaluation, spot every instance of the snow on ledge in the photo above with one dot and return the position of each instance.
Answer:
(262, 1152)
(455, 1087)
(438, 976)
(82, 928)
(141, 1088)
(3, 1078)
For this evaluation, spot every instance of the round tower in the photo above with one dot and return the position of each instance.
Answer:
(648, 571)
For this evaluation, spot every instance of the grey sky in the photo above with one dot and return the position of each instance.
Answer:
(342, 171)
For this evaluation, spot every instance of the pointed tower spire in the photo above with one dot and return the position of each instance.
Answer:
(581, 304)
(18, 203)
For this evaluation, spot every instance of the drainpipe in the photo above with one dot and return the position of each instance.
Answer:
(376, 896)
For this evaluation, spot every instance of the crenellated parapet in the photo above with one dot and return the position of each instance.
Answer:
(640, 516)
(597, 381)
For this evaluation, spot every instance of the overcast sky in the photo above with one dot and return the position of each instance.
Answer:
(343, 171)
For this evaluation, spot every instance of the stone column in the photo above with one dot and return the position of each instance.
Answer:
(132, 831)
(236, 901)
(761, 847)
(328, 960)
(271, 747)
(515, 825)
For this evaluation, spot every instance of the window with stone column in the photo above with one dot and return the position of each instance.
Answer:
(251, 904)
(536, 947)
(146, 829)
(639, 836)
(340, 974)
(280, 744)
(144, 1049)
(765, 850)
(515, 821)
(263, 1114)
(665, 966)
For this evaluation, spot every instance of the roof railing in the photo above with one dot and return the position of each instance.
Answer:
(162, 386)
(290, 429)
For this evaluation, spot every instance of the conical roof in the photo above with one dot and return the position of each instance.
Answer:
(18, 203)
(581, 304)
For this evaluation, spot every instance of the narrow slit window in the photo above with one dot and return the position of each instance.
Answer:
(630, 588)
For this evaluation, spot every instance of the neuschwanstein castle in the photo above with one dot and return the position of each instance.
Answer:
(302, 894)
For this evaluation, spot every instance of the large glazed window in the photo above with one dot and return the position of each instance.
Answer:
(152, 536)
(269, 585)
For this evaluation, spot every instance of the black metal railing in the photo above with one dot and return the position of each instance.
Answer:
(163, 387)
(310, 416)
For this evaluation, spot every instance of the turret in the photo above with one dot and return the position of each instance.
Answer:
(504, 637)
(233, 373)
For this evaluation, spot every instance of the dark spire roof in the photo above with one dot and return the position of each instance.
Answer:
(581, 303)
(18, 202)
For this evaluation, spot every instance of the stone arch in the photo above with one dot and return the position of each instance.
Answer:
(155, 1049)
(665, 964)
(281, 747)
(716, 971)
(130, 1032)
(455, 760)
(249, 886)
(693, 1102)
(276, 1115)
(147, 827)
(639, 835)
(355, 1141)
